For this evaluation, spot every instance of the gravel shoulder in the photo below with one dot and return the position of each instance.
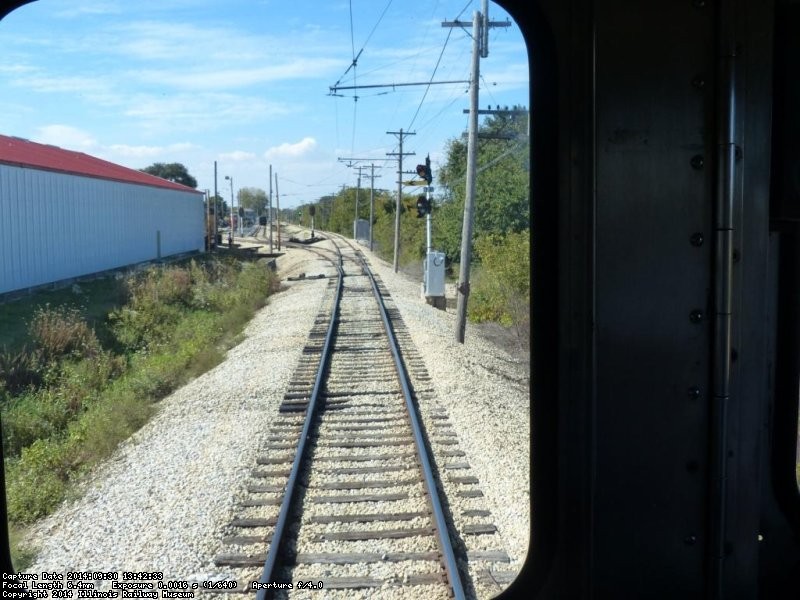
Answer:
(164, 498)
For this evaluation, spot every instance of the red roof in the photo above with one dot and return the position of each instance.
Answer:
(24, 153)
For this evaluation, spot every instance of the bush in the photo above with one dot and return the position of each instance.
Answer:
(501, 289)
(31, 417)
(62, 331)
(101, 428)
(174, 286)
(35, 481)
(18, 370)
(138, 326)
(80, 382)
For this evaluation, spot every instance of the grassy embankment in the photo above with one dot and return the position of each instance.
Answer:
(82, 368)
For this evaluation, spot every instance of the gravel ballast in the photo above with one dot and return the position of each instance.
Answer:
(163, 501)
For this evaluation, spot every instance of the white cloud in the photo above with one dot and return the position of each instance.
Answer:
(93, 8)
(198, 112)
(127, 151)
(72, 88)
(65, 136)
(304, 146)
(16, 69)
(237, 156)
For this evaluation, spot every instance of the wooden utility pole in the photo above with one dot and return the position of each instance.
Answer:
(278, 209)
(399, 156)
(480, 48)
(355, 219)
(351, 163)
(216, 205)
(269, 214)
(371, 202)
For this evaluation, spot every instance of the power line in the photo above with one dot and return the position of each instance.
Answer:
(336, 88)
(425, 95)
(354, 64)
(466, 6)
(388, 4)
(446, 108)
(352, 42)
(355, 56)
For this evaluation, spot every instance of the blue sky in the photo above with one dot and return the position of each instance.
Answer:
(246, 83)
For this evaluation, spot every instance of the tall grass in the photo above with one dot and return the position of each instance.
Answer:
(70, 401)
(61, 331)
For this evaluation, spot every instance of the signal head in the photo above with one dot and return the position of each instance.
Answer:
(422, 207)
(424, 171)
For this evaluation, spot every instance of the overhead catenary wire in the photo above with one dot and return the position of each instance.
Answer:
(435, 69)
(354, 65)
(430, 82)
(513, 150)
(374, 27)
(427, 99)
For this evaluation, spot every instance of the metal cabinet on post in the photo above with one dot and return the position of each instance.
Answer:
(433, 278)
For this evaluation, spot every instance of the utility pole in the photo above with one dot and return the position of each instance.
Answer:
(351, 162)
(399, 156)
(269, 214)
(371, 201)
(278, 209)
(216, 207)
(480, 48)
(230, 228)
(355, 220)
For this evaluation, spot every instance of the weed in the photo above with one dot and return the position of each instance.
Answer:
(35, 482)
(22, 554)
(62, 331)
(19, 370)
(32, 416)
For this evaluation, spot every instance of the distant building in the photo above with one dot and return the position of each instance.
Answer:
(65, 214)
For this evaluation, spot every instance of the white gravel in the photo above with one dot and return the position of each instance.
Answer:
(164, 499)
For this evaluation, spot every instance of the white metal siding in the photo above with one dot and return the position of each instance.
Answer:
(56, 226)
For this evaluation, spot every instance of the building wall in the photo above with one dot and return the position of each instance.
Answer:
(57, 226)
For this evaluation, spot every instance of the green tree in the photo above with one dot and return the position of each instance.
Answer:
(252, 197)
(219, 206)
(174, 172)
(502, 202)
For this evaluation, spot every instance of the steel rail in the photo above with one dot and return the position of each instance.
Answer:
(288, 498)
(446, 548)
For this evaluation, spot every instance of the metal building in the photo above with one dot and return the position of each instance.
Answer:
(65, 214)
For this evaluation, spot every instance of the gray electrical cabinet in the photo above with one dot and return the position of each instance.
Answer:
(433, 274)
(361, 229)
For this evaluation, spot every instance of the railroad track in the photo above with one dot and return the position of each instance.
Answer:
(348, 499)
(344, 496)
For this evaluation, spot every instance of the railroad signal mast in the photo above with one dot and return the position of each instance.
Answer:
(424, 202)
(433, 265)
